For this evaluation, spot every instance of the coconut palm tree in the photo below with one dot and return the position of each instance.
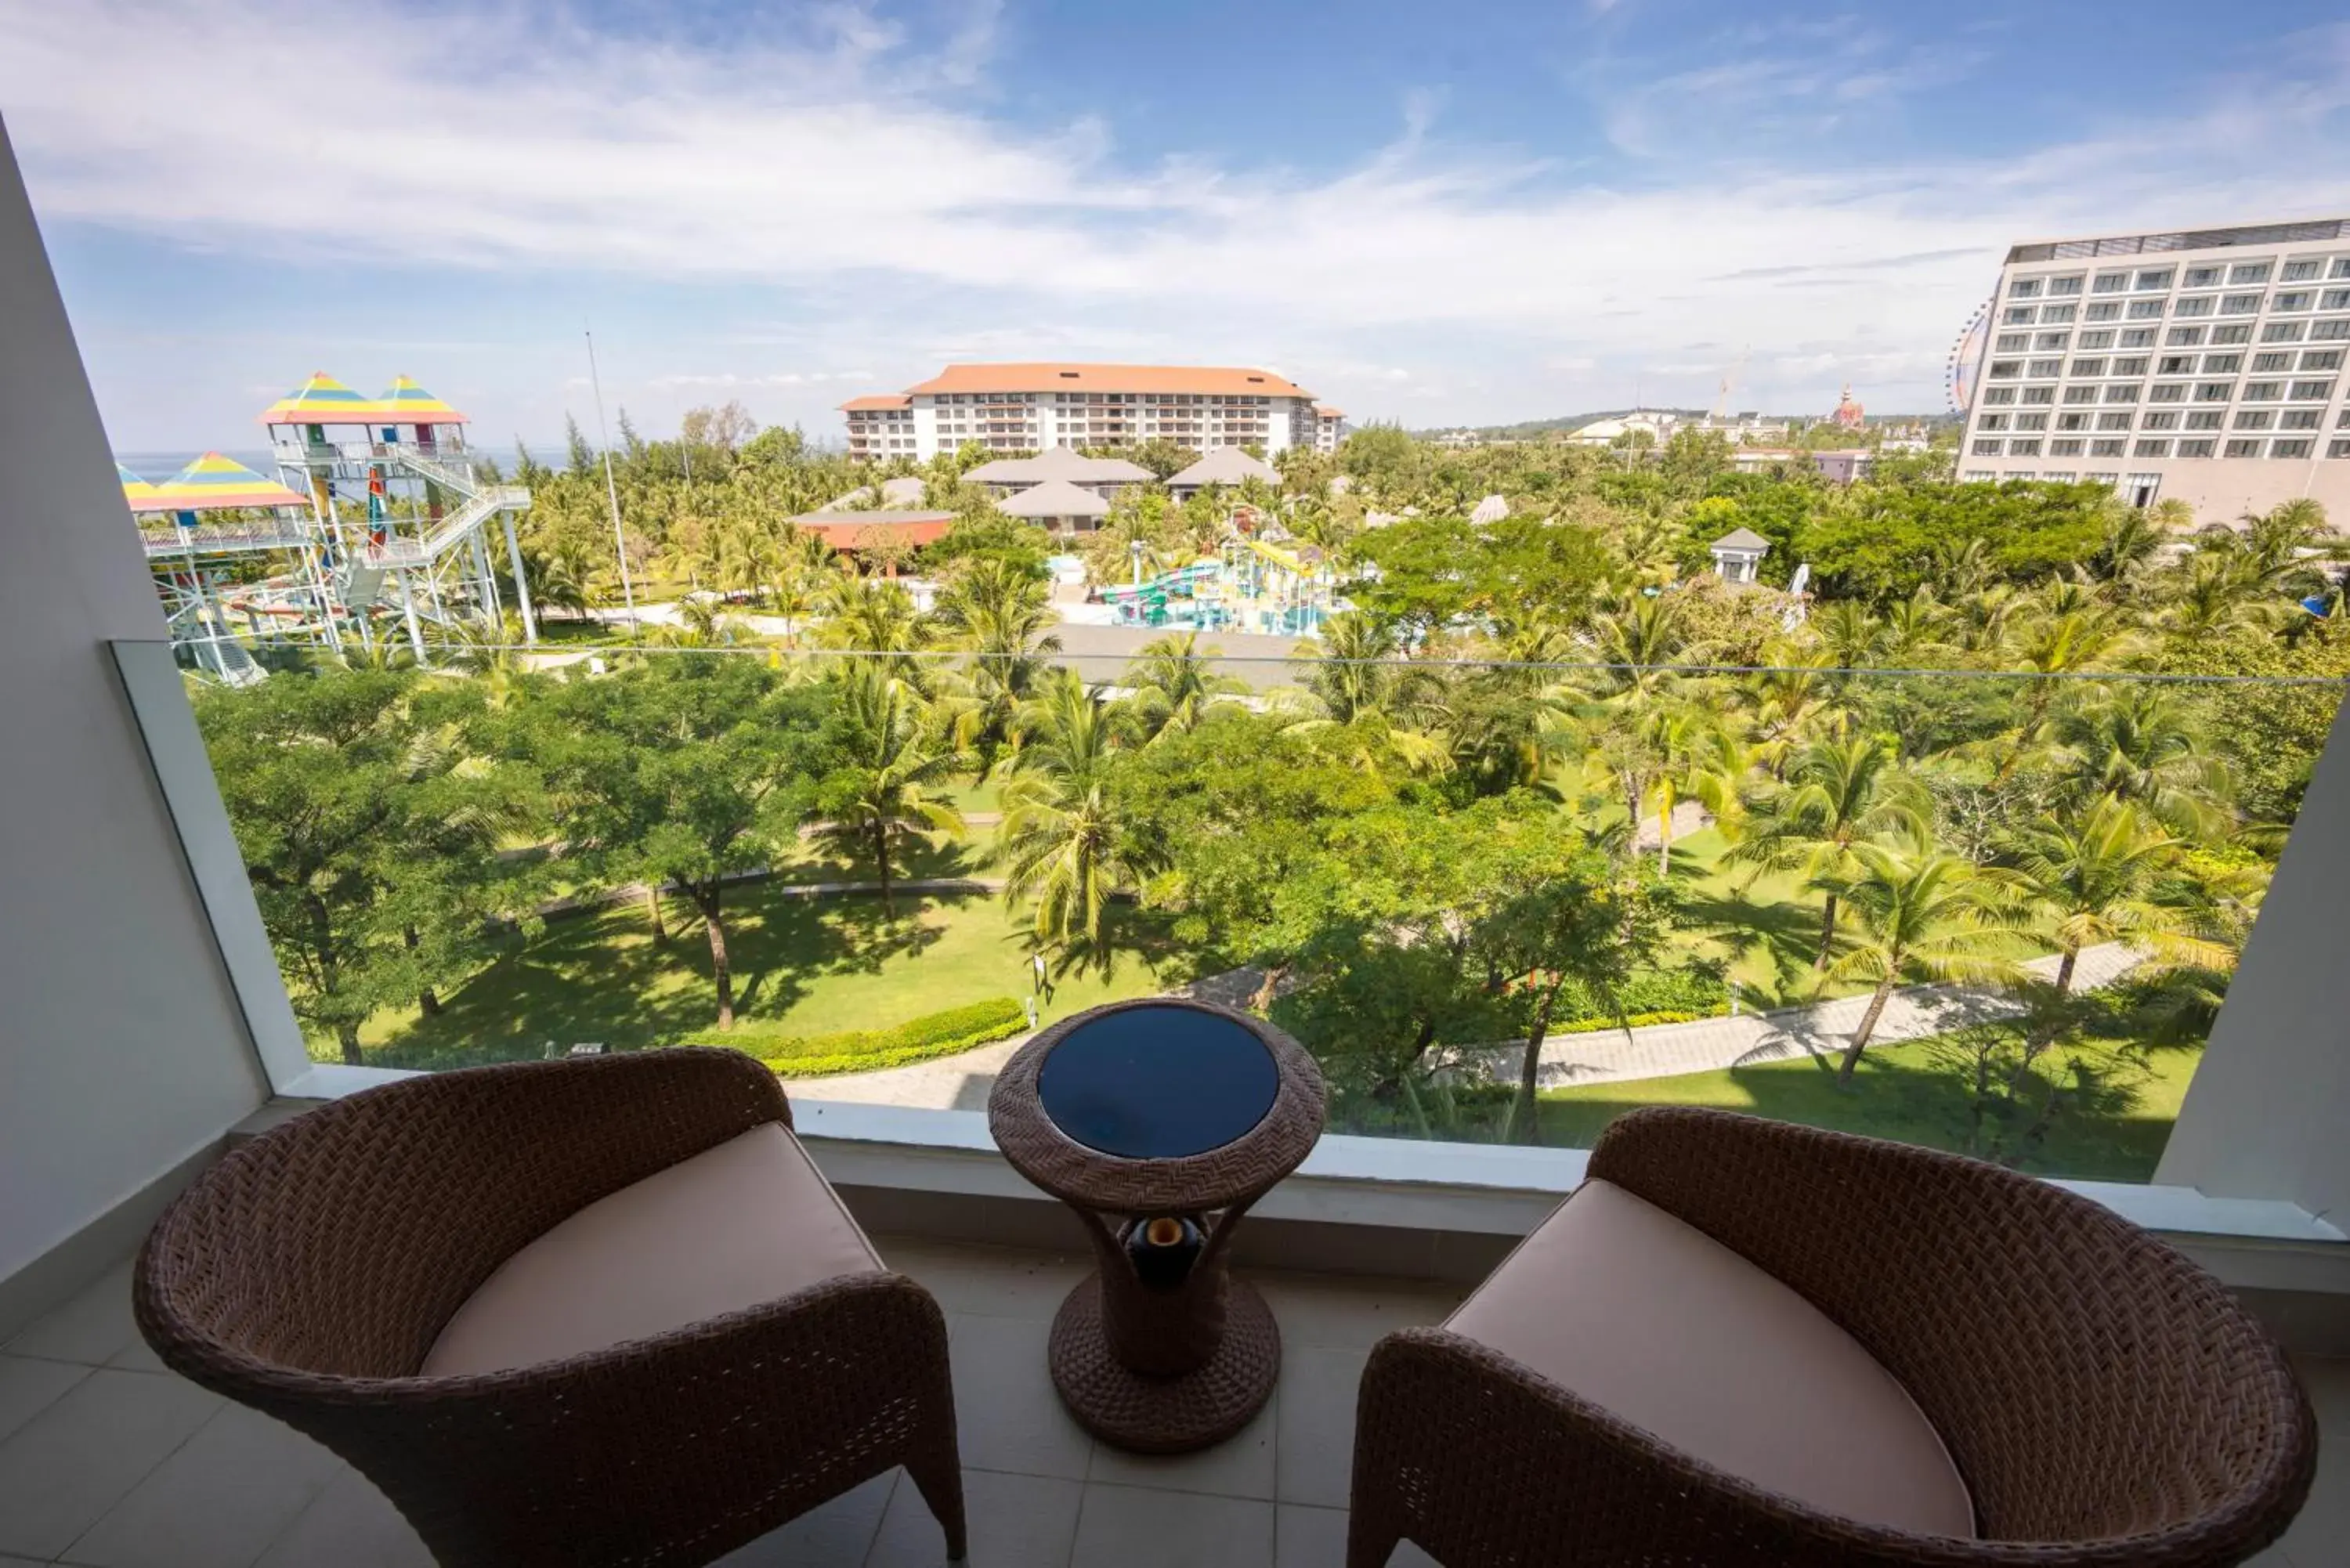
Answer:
(876, 617)
(1839, 794)
(2097, 879)
(1061, 845)
(1918, 914)
(884, 795)
(1174, 683)
(998, 613)
(2137, 742)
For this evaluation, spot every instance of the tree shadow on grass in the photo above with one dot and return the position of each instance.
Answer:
(1786, 935)
(785, 941)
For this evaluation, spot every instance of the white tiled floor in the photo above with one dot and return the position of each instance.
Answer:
(108, 1461)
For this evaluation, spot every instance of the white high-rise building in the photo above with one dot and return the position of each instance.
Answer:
(1033, 407)
(2204, 365)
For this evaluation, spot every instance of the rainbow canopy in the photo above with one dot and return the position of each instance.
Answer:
(134, 489)
(320, 401)
(409, 404)
(211, 483)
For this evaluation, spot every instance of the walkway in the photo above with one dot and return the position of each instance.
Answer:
(1657, 1051)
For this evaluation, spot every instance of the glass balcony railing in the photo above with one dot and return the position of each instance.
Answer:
(1983, 892)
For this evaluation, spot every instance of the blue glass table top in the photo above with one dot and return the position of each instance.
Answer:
(1158, 1083)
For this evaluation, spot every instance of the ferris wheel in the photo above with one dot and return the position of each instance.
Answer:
(1965, 365)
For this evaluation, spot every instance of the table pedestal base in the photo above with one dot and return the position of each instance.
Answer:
(1164, 1414)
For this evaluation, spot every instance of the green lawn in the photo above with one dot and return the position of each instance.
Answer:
(1897, 1095)
(816, 966)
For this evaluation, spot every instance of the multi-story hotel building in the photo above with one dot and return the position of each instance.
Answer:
(1033, 407)
(2205, 365)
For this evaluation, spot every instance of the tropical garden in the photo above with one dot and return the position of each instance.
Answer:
(1548, 779)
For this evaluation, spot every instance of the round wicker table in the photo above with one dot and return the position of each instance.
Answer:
(1159, 1123)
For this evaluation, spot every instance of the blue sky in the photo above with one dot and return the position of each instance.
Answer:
(1434, 213)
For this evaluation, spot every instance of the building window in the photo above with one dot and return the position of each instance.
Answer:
(2196, 448)
(2228, 337)
(2023, 288)
(2238, 303)
(1982, 449)
(2039, 394)
(2099, 339)
(2244, 449)
(2050, 342)
(2301, 271)
(2330, 331)
(2313, 391)
(2051, 368)
(2322, 360)
(2023, 449)
(2292, 300)
(2175, 392)
(1998, 394)
(2148, 280)
(2087, 368)
(2014, 342)
(2202, 304)
(2060, 286)
(2145, 309)
(2160, 421)
(2152, 449)
(1980, 476)
(2249, 272)
(2137, 337)
(2270, 364)
(2204, 419)
(2175, 364)
(2300, 420)
(2215, 392)
(2111, 310)
(2062, 448)
(2135, 365)
(2184, 337)
(2284, 331)
(2108, 448)
(2202, 277)
(2114, 421)
(2031, 421)
(2122, 394)
(2255, 419)
(2080, 394)
(2111, 282)
(2071, 422)
(1992, 422)
(2296, 447)
(2263, 391)
(2057, 313)
(2334, 299)
(2222, 363)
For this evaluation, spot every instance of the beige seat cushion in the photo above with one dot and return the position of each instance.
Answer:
(742, 1223)
(1652, 1318)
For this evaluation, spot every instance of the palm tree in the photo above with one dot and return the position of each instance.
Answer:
(999, 613)
(1061, 843)
(883, 795)
(1174, 684)
(876, 617)
(1355, 684)
(1839, 794)
(1918, 914)
(2097, 880)
(2137, 742)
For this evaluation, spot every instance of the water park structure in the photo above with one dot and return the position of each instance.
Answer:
(379, 523)
(1254, 586)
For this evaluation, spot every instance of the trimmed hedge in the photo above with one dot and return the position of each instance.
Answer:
(1637, 1021)
(920, 1039)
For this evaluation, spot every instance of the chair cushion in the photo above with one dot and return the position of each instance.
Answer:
(738, 1224)
(1652, 1318)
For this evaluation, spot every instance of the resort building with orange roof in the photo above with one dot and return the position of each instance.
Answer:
(1037, 406)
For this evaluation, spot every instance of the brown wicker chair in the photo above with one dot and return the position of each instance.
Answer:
(2099, 1401)
(415, 1277)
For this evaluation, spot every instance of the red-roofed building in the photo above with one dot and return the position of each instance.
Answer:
(855, 530)
(1035, 407)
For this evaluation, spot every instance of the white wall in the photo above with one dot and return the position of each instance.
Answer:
(121, 1051)
(2268, 1114)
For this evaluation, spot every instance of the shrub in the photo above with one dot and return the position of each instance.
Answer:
(920, 1039)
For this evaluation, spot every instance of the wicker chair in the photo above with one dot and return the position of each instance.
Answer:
(593, 1312)
(2009, 1375)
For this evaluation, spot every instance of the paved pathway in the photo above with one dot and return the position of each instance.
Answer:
(1657, 1051)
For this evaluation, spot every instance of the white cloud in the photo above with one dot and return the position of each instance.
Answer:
(840, 158)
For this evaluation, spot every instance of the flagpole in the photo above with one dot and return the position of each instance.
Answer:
(611, 490)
